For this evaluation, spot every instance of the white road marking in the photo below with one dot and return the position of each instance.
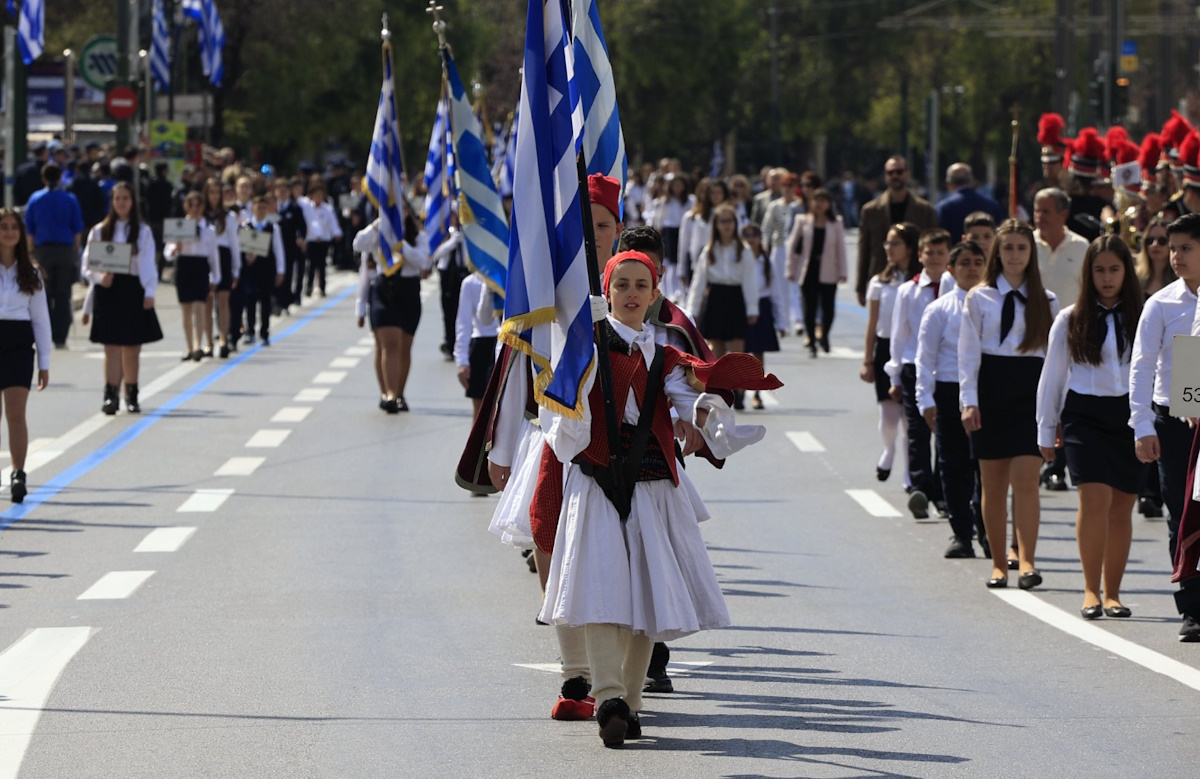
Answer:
(358, 351)
(1098, 636)
(844, 353)
(36, 445)
(805, 442)
(874, 503)
(769, 399)
(165, 539)
(203, 501)
(329, 377)
(344, 362)
(29, 669)
(116, 585)
(267, 439)
(312, 395)
(367, 341)
(151, 355)
(240, 466)
(292, 414)
(676, 669)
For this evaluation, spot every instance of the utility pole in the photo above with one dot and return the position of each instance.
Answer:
(123, 25)
(1116, 35)
(1163, 83)
(776, 122)
(10, 115)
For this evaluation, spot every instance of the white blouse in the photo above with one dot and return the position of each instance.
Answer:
(980, 334)
(937, 345)
(229, 238)
(772, 290)
(668, 212)
(885, 293)
(321, 221)
(276, 243)
(15, 305)
(476, 317)
(1167, 313)
(142, 263)
(912, 298)
(726, 269)
(205, 245)
(416, 260)
(1060, 374)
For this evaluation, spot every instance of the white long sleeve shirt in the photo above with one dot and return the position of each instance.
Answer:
(205, 245)
(276, 243)
(1061, 374)
(667, 212)
(1168, 313)
(416, 258)
(885, 293)
(320, 220)
(937, 344)
(17, 306)
(476, 317)
(725, 269)
(142, 263)
(980, 334)
(772, 289)
(445, 254)
(911, 300)
(228, 238)
(511, 413)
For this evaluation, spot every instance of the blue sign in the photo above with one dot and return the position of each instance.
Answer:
(1129, 48)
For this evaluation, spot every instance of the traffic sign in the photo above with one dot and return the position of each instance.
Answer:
(121, 102)
(98, 61)
(1129, 57)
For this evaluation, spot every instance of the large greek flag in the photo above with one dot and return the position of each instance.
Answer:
(480, 212)
(603, 141)
(160, 49)
(31, 29)
(384, 184)
(212, 37)
(439, 177)
(547, 310)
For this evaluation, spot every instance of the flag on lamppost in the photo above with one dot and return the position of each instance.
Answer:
(212, 37)
(160, 49)
(384, 184)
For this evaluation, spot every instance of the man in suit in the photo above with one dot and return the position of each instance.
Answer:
(963, 201)
(772, 192)
(29, 174)
(895, 205)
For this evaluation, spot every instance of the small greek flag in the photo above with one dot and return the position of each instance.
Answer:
(439, 177)
(548, 315)
(31, 29)
(603, 141)
(212, 37)
(384, 184)
(160, 49)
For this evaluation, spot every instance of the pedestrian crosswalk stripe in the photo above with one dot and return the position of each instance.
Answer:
(344, 362)
(329, 377)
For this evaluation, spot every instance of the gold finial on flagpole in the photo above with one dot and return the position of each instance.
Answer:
(439, 24)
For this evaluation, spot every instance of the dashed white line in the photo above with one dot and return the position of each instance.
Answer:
(367, 341)
(312, 395)
(344, 362)
(805, 441)
(292, 414)
(29, 669)
(329, 377)
(165, 539)
(267, 439)
(358, 351)
(204, 501)
(116, 585)
(874, 503)
(240, 466)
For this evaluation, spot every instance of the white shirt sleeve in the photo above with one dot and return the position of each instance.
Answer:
(928, 340)
(39, 317)
(511, 413)
(214, 257)
(277, 247)
(364, 290)
(367, 240)
(695, 299)
(901, 332)
(417, 256)
(1143, 365)
(1052, 386)
(970, 353)
(462, 321)
(147, 267)
(88, 274)
(749, 282)
(235, 245)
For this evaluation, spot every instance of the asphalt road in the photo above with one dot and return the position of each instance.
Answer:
(314, 597)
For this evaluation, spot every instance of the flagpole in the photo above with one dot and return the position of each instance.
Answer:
(439, 27)
(389, 67)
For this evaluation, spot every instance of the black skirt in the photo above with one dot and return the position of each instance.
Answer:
(1007, 408)
(396, 302)
(226, 255)
(482, 356)
(760, 336)
(119, 317)
(16, 353)
(191, 279)
(883, 382)
(724, 315)
(1099, 443)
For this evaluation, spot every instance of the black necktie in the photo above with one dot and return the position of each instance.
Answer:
(1102, 314)
(1009, 312)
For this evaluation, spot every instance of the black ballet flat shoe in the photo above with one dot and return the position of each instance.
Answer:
(19, 490)
(224, 351)
(198, 355)
(1149, 509)
(882, 474)
(131, 399)
(633, 729)
(1092, 612)
(824, 343)
(1013, 564)
(208, 352)
(613, 718)
(1189, 631)
(402, 404)
(111, 403)
(187, 357)
(383, 403)
(1118, 612)
(391, 405)
(1027, 581)
(997, 584)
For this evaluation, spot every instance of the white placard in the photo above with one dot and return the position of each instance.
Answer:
(254, 241)
(109, 257)
(1185, 376)
(349, 201)
(179, 230)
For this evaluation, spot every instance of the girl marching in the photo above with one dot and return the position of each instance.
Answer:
(224, 222)
(197, 274)
(724, 292)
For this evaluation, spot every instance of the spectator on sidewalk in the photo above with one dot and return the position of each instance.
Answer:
(54, 223)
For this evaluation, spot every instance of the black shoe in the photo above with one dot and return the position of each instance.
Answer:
(1027, 581)
(18, 487)
(392, 406)
(613, 717)
(882, 474)
(824, 342)
(1118, 612)
(1149, 509)
(224, 352)
(661, 683)
(529, 561)
(198, 355)
(997, 584)
(940, 505)
(233, 343)
(959, 548)
(1055, 482)
(1092, 612)
(1189, 632)
(187, 356)
(266, 340)
(401, 404)
(111, 403)
(131, 399)
(322, 292)
(633, 729)
(918, 504)
(208, 352)
(383, 403)
(308, 291)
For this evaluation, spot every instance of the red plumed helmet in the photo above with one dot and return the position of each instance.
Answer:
(1150, 152)
(1114, 140)
(1189, 158)
(1050, 127)
(1087, 154)
(1174, 131)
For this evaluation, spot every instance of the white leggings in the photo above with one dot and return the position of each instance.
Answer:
(891, 420)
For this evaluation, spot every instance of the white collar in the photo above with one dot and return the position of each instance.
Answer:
(643, 339)
(1003, 287)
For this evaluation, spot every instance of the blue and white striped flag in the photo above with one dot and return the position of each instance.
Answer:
(384, 184)
(603, 141)
(510, 158)
(480, 211)
(160, 49)
(547, 308)
(212, 37)
(439, 178)
(31, 29)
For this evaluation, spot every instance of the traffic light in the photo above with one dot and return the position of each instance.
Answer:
(1120, 99)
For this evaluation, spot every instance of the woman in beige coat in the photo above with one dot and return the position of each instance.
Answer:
(818, 233)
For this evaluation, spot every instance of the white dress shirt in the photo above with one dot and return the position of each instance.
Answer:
(18, 306)
(142, 263)
(668, 212)
(228, 238)
(772, 289)
(320, 220)
(445, 254)
(937, 344)
(1062, 267)
(416, 258)
(205, 245)
(1061, 374)
(911, 299)
(276, 242)
(1168, 313)
(885, 293)
(726, 269)
(476, 317)
(980, 334)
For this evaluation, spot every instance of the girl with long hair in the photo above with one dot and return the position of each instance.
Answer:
(197, 274)
(723, 296)
(224, 222)
(1083, 405)
(777, 224)
(763, 336)
(696, 227)
(24, 324)
(668, 214)
(1153, 262)
(123, 316)
(1005, 330)
(818, 264)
